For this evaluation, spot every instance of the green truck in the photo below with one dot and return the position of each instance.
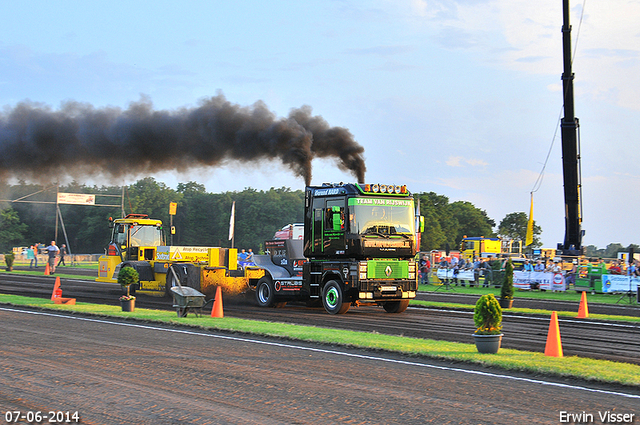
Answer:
(358, 248)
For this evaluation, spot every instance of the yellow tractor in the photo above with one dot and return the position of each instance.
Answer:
(138, 241)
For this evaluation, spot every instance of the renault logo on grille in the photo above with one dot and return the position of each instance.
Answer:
(388, 271)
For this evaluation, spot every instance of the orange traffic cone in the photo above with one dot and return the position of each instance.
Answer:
(583, 310)
(46, 270)
(57, 292)
(56, 295)
(554, 345)
(216, 311)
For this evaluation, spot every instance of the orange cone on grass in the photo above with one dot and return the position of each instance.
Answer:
(56, 295)
(46, 270)
(583, 310)
(216, 311)
(57, 292)
(554, 345)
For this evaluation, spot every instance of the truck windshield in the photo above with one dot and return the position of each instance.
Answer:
(381, 216)
(139, 235)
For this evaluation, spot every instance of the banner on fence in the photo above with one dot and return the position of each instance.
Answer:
(548, 281)
(619, 283)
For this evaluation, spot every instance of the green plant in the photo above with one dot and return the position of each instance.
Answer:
(506, 291)
(487, 316)
(126, 277)
(9, 259)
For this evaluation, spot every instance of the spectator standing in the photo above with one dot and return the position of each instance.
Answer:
(242, 256)
(485, 270)
(476, 272)
(31, 257)
(425, 265)
(539, 267)
(36, 251)
(615, 268)
(527, 266)
(52, 250)
(63, 252)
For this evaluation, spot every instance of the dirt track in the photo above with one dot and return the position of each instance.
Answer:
(115, 373)
(587, 338)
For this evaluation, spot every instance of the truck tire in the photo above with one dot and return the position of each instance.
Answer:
(333, 298)
(396, 306)
(265, 292)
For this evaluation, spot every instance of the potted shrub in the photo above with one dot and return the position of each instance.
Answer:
(487, 316)
(9, 259)
(126, 277)
(506, 291)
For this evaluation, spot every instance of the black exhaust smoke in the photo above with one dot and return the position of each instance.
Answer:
(78, 140)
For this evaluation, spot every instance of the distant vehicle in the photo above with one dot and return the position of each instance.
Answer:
(290, 231)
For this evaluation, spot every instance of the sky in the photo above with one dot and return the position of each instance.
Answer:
(461, 98)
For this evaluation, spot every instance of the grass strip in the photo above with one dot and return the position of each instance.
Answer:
(508, 359)
(516, 310)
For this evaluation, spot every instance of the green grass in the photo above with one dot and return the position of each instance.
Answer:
(91, 265)
(515, 360)
(567, 314)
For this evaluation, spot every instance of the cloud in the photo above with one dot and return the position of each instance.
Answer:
(459, 161)
(526, 37)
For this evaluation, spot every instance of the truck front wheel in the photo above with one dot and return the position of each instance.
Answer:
(333, 298)
(396, 306)
(265, 292)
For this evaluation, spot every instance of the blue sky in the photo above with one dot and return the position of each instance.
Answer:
(457, 97)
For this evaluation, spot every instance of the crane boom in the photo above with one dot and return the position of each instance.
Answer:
(572, 244)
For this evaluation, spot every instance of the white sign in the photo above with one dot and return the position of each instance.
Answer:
(549, 281)
(76, 198)
(522, 280)
(619, 283)
(467, 275)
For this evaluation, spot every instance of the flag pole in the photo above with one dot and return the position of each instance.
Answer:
(529, 236)
(232, 223)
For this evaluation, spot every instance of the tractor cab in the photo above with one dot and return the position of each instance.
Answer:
(135, 237)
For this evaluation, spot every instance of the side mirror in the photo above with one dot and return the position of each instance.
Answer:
(421, 225)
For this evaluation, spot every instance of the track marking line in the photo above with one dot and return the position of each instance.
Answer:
(334, 352)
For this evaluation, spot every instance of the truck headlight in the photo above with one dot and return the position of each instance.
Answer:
(412, 270)
(362, 270)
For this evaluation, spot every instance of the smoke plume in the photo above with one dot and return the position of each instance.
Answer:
(80, 140)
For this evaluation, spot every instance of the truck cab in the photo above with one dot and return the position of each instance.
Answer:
(359, 248)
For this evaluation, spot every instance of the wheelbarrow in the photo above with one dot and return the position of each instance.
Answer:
(186, 298)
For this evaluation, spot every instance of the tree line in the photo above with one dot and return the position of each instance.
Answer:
(202, 218)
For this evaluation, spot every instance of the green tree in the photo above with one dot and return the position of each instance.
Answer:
(446, 223)
(11, 229)
(611, 251)
(471, 221)
(149, 197)
(592, 251)
(514, 227)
